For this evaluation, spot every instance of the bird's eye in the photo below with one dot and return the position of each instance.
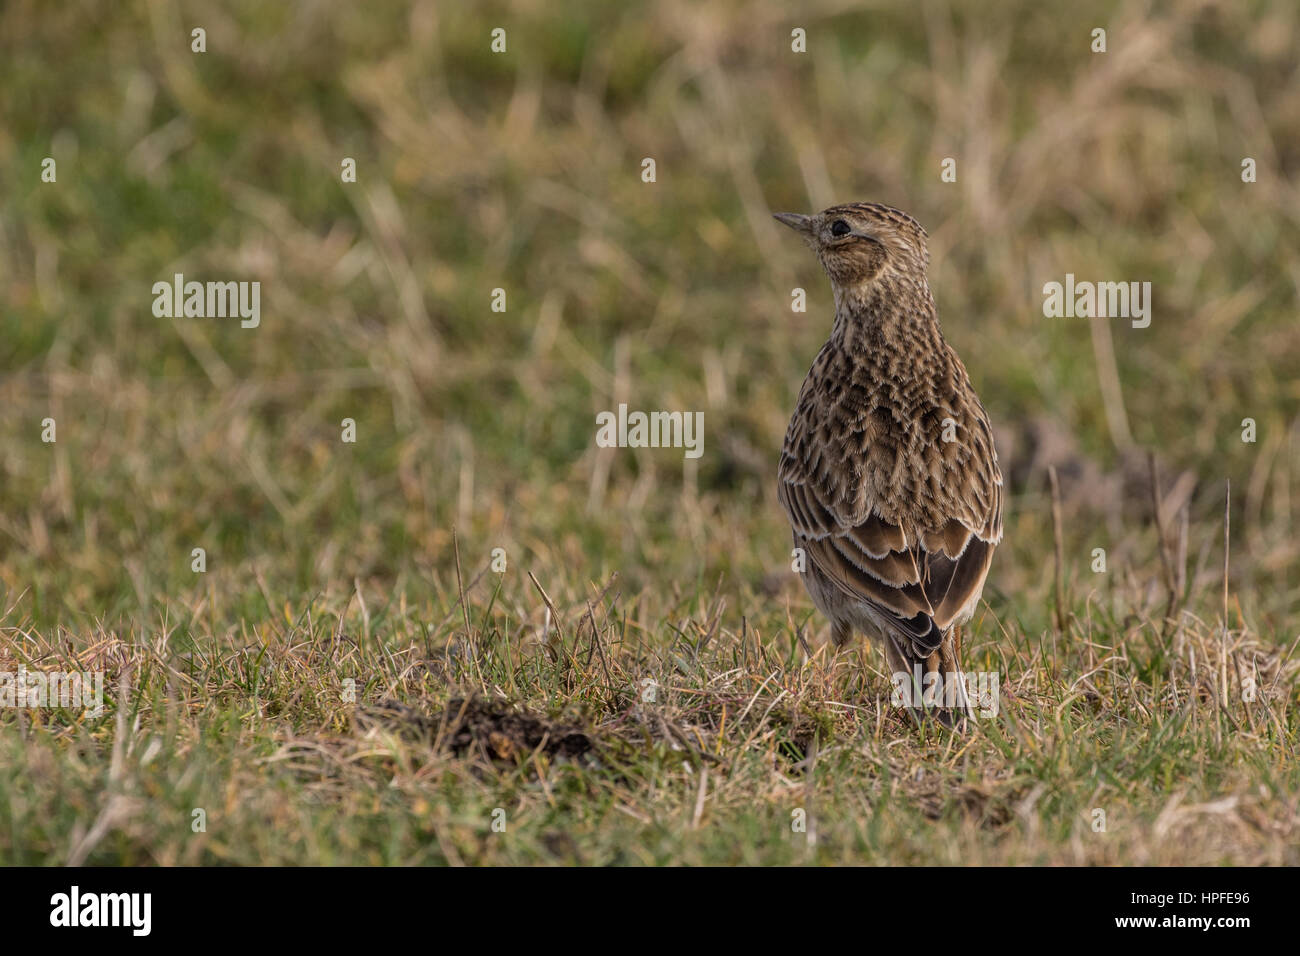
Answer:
(840, 228)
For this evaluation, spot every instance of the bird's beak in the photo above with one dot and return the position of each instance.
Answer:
(795, 221)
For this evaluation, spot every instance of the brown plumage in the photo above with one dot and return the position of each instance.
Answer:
(888, 474)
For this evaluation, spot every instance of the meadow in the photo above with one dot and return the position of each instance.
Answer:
(475, 636)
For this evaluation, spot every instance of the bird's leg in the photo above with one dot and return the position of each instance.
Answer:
(902, 676)
(934, 664)
(841, 634)
(955, 704)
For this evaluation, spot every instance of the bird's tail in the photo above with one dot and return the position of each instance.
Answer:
(936, 682)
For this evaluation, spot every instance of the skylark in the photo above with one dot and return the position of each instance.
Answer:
(888, 474)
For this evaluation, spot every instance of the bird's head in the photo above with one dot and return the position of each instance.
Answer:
(859, 242)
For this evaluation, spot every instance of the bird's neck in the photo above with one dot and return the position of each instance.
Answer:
(891, 308)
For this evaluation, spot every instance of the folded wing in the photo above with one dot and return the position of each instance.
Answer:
(922, 579)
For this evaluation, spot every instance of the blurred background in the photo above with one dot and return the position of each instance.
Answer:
(522, 171)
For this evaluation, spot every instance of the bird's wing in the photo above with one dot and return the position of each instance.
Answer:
(852, 510)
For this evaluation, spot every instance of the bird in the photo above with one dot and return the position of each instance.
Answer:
(888, 472)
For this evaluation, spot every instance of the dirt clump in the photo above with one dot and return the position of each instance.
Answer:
(491, 728)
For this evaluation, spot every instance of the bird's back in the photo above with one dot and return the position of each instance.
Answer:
(890, 480)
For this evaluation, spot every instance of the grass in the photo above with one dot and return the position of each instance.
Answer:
(1124, 692)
